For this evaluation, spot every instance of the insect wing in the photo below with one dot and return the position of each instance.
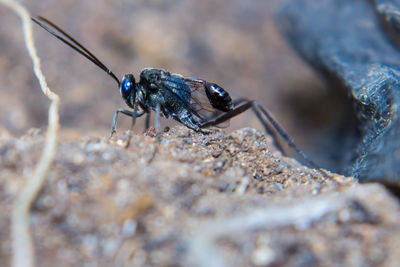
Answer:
(177, 86)
(200, 100)
(193, 93)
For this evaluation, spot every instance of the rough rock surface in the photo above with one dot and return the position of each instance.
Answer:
(211, 199)
(346, 41)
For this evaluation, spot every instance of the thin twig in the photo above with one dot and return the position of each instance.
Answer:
(23, 250)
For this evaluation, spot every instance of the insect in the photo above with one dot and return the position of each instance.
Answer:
(195, 103)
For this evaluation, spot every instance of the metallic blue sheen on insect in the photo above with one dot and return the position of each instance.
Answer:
(196, 103)
(126, 87)
(189, 101)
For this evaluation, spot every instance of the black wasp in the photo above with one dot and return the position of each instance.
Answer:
(195, 103)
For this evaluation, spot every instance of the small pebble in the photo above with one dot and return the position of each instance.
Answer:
(129, 228)
(262, 256)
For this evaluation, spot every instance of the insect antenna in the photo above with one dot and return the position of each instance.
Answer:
(71, 42)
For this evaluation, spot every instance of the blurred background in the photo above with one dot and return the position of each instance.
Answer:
(233, 43)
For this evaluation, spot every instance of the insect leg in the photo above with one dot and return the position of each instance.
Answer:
(158, 111)
(228, 115)
(132, 124)
(147, 122)
(158, 129)
(125, 112)
(267, 127)
(265, 117)
(286, 137)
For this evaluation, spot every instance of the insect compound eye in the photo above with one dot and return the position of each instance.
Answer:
(127, 85)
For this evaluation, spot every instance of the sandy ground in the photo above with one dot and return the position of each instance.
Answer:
(222, 198)
(212, 199)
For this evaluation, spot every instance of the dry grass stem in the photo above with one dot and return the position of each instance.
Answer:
(23, 251)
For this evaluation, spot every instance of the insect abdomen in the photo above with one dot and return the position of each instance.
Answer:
(218, 97)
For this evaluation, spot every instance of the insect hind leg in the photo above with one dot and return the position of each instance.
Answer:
(267, 126)
(266, 119)
(228, 115)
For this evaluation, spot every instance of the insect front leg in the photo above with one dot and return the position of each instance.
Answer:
(132, 124)
(129, 113)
